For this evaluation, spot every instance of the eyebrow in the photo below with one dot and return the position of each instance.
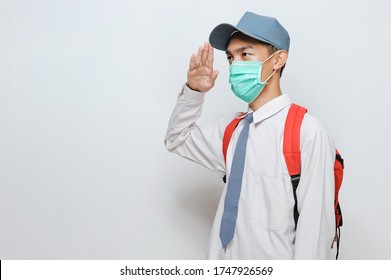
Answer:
(240, 49)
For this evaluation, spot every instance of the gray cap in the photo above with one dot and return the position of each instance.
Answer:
(262, 28)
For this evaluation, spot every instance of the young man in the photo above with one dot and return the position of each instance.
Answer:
(254, 219)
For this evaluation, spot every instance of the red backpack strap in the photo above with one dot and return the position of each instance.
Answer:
(291, 149)
(229, 130)
(291, 146)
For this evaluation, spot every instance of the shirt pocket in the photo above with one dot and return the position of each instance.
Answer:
(269, 204)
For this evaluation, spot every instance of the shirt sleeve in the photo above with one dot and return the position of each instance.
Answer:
(201, 144)
(315, 193)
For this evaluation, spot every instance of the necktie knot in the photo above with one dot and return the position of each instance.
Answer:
(249, 117)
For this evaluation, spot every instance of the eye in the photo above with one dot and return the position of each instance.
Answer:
(246, 54)
(229, 57)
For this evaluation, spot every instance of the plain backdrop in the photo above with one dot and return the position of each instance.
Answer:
(86, 91)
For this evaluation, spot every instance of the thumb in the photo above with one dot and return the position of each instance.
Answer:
(214, 75)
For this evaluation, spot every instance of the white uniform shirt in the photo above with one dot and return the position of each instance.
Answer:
(265, 227)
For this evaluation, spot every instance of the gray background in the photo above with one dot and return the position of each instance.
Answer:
(86, 91)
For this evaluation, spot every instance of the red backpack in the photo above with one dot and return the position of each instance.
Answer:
(291, 151)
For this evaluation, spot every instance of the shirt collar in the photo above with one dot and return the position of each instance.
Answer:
(270, 108)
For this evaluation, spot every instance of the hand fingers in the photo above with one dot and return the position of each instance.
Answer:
(192, 62)
(198, 58)
(210, 57)
(204, 56)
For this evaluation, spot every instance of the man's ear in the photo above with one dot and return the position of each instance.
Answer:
(280, 59)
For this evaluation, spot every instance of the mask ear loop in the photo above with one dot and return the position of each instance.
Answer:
(265, 82)
(270, 56)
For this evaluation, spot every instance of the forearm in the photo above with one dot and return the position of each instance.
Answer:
(185, 138)
(186, 112)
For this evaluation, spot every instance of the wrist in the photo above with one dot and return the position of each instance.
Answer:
(192, 88)
(193, 95)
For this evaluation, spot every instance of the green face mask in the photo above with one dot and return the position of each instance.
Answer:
(245, 79)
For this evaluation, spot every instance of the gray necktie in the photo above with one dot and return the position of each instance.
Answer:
(230, 213)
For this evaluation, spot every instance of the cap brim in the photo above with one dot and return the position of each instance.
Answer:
(220, 36)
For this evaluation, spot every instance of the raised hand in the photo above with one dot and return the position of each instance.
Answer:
(201, 76)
